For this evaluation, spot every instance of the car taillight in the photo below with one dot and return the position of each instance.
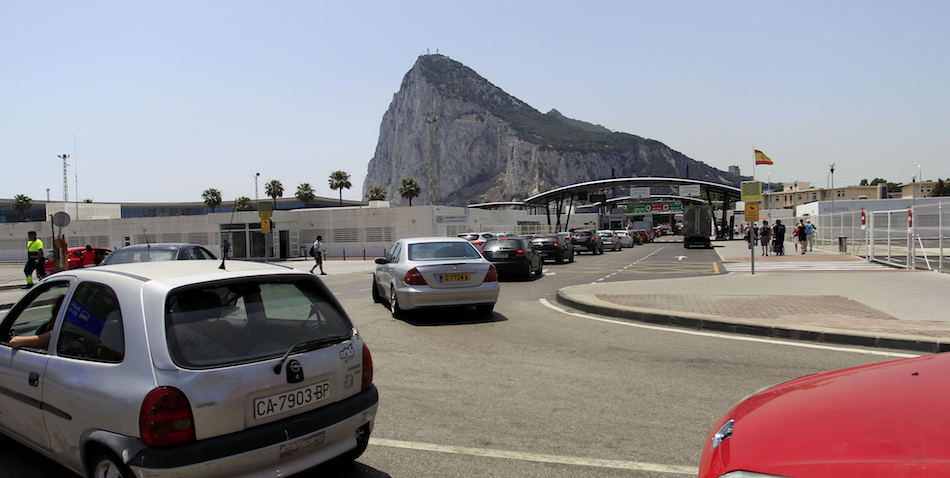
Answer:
(367, 369)
(520, 253)
(478, 243)
(555, 244)
(492, 275)
(165, 418)
(414, 277)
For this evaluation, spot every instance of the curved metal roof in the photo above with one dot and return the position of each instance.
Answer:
(568, 191)
(670, 197)
(492, 205)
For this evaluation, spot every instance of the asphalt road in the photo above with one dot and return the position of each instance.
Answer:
(537, 390)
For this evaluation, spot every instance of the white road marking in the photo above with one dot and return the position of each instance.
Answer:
(536, 457)
(363, 290)
(550, 273)
(679, 258)
(629, 265)
(740, 338)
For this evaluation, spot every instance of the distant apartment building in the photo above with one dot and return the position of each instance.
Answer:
(801, 192)
(925, 189)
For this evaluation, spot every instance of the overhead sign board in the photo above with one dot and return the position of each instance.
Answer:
(642, 208)
(751, 191)
(661, 207)
(598, 198)
(639, 193)
(676, 207)
(689, 190)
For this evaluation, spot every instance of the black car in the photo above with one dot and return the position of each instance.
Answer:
(165, 251)
(587, 240)
(554, 246)
(513, 256)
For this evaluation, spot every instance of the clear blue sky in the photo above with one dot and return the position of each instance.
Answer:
(166, 99)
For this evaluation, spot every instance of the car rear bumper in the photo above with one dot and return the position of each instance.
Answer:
(290, 445)
(416, 297)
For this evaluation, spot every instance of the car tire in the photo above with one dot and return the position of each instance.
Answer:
(107, 465)
(571, 260)
(527, 271)
(560, 258)
(376, 297)
(394, 304)
(540, 270)
(484, 309)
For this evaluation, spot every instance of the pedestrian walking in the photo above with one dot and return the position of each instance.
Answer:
(802, 232)
(810, 233)
(317, 251)
(765, 234)
(35, 260)
(778, 237)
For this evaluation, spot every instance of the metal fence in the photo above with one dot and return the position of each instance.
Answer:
(910, 238)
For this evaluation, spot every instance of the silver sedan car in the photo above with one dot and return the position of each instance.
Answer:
(434, 272)
(183, 369)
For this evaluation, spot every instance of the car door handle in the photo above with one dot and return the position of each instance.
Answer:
(34, 379)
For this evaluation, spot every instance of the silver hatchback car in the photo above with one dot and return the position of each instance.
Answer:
(183, 369)
(435, 272)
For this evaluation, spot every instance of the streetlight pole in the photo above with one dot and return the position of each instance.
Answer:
(256, 177)
(831, 223)
(914, 181)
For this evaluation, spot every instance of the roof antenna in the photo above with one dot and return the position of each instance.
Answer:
(224, 251)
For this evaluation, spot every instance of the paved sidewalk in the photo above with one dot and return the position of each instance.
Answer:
(820, 296)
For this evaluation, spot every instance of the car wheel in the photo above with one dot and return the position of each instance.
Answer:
(107, 466)
(560, 258)
(571, 260)
(527, 271)
(376, 297)
(540, 271)
(484, 309)
(394, 304)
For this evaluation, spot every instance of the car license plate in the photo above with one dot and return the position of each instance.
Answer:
(292, 399)
(460, 277)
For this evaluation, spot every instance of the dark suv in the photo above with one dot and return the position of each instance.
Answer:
(554, 246)
(587, 240)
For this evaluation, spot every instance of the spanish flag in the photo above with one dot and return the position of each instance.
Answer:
(761, 158)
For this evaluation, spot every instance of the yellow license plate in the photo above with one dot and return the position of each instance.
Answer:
(455, 277)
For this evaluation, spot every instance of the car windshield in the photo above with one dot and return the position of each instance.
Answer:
(125, 256)
(239, 322)
(433, 251)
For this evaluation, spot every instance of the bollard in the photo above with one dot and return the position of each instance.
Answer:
(364, 254)
(344, 253)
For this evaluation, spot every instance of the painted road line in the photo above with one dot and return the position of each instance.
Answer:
(536, 457)
(715, 268)
(740, 338)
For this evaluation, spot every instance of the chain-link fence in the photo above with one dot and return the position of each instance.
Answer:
(910, 238)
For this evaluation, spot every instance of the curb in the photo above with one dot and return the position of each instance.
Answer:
(695, 323)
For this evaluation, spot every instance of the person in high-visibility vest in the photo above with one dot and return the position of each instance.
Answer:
(34, 259)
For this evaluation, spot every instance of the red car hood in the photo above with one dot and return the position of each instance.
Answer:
(887, 419)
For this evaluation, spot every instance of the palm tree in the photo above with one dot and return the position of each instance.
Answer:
(410, 189)
(305, 193)
(21, 204)
(274, 189)
(376, 193)
(212, 198)
(338, 180)
(243, 203)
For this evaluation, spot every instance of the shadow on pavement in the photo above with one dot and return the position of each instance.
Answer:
(450, 316)
(347, 470)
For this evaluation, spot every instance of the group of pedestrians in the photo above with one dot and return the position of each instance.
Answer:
(772, 238)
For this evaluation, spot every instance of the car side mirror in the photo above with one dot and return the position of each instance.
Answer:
(380, 260)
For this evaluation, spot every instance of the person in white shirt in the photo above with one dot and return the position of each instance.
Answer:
(317, 251)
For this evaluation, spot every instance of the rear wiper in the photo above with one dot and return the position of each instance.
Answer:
(314, 343)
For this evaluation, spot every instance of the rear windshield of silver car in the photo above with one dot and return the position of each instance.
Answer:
(432, 251)
(231, 323)
(141, 255)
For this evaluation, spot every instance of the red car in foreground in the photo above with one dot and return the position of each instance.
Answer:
(887, 419)
(77, 257)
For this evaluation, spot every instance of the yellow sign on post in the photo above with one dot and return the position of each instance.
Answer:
(751, 211)
(265, 225)
(751, 191)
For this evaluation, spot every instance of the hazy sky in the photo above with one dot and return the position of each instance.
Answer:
(162, 100)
